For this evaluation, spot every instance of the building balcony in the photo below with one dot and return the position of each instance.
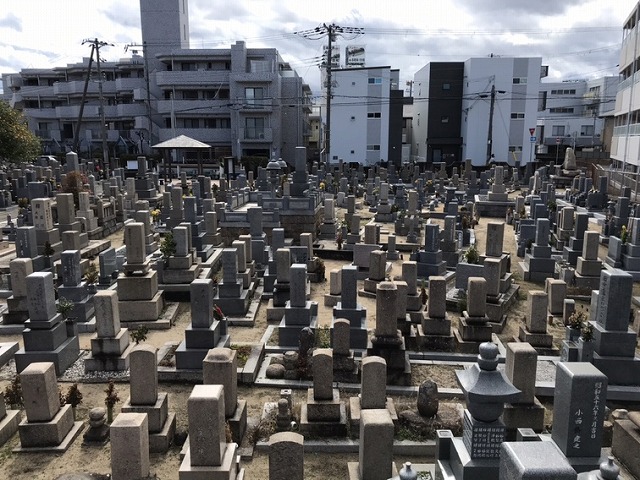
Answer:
(49, 135)
(180, 78)
(255, 77)
(72, 112)
(250, 105)
(41, 113)
(257, 135)
(131, 109)
(129, 84)
(36, 92)
(581, 141)
(206, 135)
(77, 87)
(194, 106)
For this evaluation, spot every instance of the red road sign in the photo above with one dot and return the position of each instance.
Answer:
(532, 131)
(558, 140)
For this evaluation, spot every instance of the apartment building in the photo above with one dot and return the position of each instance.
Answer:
(625, 143)
(574, 114)
(366, 116)
(240, 100)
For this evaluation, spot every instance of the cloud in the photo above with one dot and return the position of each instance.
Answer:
(124, 14)
(12, 22)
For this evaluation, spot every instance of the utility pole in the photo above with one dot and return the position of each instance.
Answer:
(150, 138)
(492, 103)
(331, 32)
(76, 136)
(97, 44)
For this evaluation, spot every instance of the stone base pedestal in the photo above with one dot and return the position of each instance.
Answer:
(354, 471)
(355, 413)
(435, 342)
(62, 357)
(229, 469)
(9, 425)
(392, 349)
(523, 416)
(537, 340)
(142, 310)
(626, 445)
(319, 428)
(162, 423)
(474, 331)
(238, 422)
(47, 434)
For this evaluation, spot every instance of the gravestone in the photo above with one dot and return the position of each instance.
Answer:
(145, 398)
(525, 412)
(74, 289)
(48, 426)
(286, 456)
(473, 327)
(220, 367)
(373, 393)
(323, 414)
(232, 298)
(578, 411)
(375, 452)
(298, 311)
(205, 331)
(47, 336)
(110, 345)
(208, 455)
(129, 434)
(139, 300)
(387, 342)
(17, 304)
(535, 330)
(434, 331)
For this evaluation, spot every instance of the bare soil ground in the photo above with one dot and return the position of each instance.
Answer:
(80, 458)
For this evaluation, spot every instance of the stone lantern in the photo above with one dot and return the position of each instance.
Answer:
(485, 388)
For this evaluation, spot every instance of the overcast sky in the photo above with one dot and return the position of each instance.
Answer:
(576, 38)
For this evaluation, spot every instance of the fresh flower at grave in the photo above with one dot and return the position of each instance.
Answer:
(155, 214)
(624, 234)
(217, 313)
(322, 186)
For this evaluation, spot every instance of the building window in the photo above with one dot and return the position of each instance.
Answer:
(254, 127)
(189, 66)
(373, 115)
(446, 86)
(587, 130)
(190, 94)
(515, 148)
(191, 123)
(217, 123)
(353, 152)
(566, 91)
(519, 80)
(373, 147)
(561, 110)
(517, 116)
(375, 81)
(557, 130)
(444, 119)
(254, 95)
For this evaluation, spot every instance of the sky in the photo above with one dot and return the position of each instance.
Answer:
(577, 39)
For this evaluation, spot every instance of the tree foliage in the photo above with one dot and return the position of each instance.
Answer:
(17, 142)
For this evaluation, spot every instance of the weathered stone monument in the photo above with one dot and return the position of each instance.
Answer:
(145, 398)
(205, 332)
(323, 414)
(434, 331)
(47, 337)
(110, 345)
(220, 367)
(48, 426)
(209, 455)
(139, 300)
(129, 434)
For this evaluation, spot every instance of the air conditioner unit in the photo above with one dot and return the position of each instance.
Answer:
(261, 136)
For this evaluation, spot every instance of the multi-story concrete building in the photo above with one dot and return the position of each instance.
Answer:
(499, 107)
(366, 116)
(241, 101)
(574, 114)
(437, 113)
(480, 109)
(625, 144)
